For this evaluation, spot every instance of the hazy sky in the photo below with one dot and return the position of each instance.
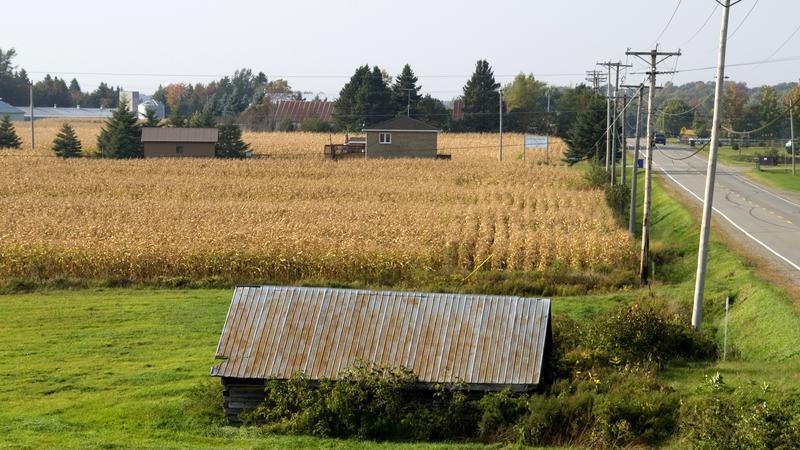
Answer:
(316, 45)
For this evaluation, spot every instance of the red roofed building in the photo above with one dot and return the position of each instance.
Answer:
(297, 111)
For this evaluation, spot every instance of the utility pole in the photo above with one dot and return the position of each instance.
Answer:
(501, 124)
(791, 132)
(624, 139)
(632, 214)
(708, 198)
(408, 104)
(653, 62)
(33, 135)
(595, 77)
(611, 119)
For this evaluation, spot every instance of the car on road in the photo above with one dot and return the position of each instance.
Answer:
(660, 139)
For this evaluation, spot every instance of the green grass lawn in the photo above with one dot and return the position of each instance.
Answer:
(103, 368)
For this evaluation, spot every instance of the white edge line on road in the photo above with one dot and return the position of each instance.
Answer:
(731, 221)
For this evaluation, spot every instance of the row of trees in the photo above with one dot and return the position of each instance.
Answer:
(763, 109)
(372, 95)
(15, 85)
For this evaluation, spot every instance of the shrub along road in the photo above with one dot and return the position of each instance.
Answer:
(767, 218)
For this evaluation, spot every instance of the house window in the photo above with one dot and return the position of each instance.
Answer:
(384, 138)
(179, 150)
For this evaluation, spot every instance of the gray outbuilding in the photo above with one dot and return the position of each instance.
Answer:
(481, 342)
(401, 137)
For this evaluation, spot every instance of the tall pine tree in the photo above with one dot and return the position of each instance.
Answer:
(8, 135)
(585, 136)
(66, 144)
(364, 100)
(405, 92)
(120, 137)
(481, 99)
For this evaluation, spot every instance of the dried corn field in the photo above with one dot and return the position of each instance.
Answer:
(291, 216)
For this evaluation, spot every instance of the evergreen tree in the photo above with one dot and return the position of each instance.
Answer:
(66, 143)
(8, 135)
(376, 98)
(569, 104)
(586, 135)
(201, 119)
(150, 118)
(120, 137)
(405, 92)
(229, 143)
(176, 119)
(433, 112)
(364, 100)
(481, 99)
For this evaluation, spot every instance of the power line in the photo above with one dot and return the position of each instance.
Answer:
(668, 23)
(273, 76)
(751, 63)
(744, 19)
(702, 26)
(781, 46)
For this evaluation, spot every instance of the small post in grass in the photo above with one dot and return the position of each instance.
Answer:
(725, 338)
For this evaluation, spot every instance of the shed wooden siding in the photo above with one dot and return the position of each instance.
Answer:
(405, 144)
(487, 342)
(169, 149)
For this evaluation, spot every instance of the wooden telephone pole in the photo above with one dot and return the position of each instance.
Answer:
(632, 213)
(611, 118)
(708, 198)
(653, 62)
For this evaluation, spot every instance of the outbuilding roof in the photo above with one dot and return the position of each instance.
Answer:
(5, 108)
(44, 112)
(297, 111)
(179, 134)
(487, 342)
(401, 123)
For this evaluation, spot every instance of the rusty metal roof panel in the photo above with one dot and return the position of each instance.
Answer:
(491, 341)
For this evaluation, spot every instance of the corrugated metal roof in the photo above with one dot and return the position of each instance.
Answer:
(297, 111)
(491, 341)
(401, 123)
(179, 134)
(5, 108)
(67, 112)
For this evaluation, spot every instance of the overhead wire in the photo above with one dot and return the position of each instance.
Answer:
(769, 58)
(671, 18)
(708, 19)
(744, 19)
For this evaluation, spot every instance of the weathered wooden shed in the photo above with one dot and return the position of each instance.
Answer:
(401, 137)
(488, 343)
(179, 142)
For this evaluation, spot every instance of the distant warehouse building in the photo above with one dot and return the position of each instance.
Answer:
(401, 137)
(13, 113)
(479, 342)
(179, 142)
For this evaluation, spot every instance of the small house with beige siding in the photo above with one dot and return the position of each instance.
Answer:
(401, 137)
(179, 142)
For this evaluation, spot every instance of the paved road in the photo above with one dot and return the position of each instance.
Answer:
(767, 218)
